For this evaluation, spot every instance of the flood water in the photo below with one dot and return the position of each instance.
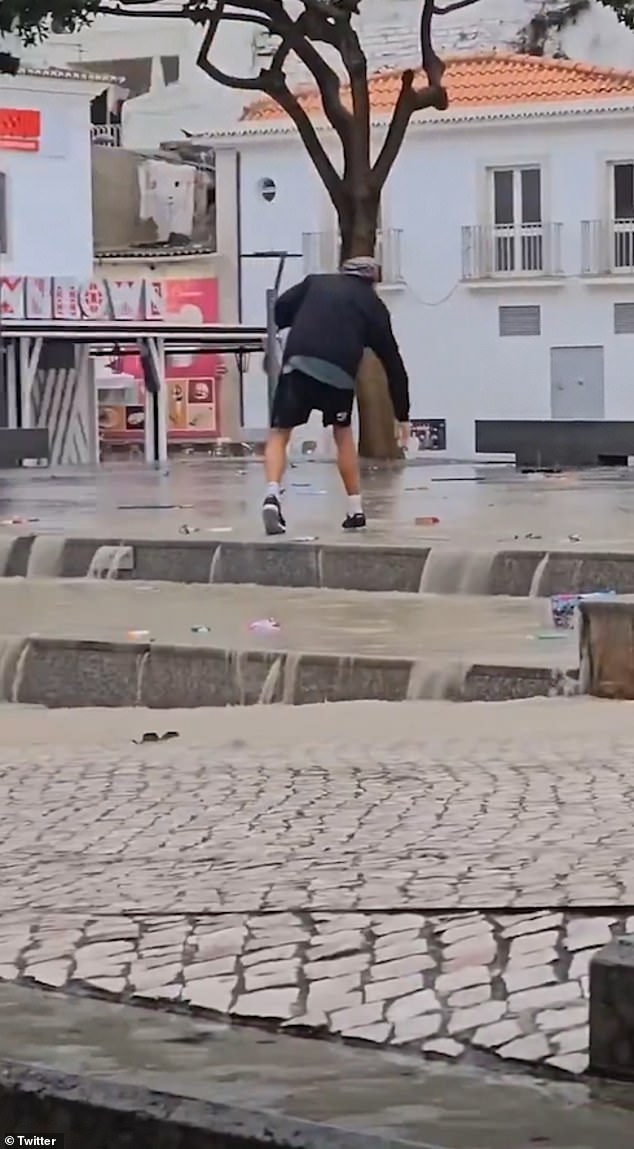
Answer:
(387, 1094)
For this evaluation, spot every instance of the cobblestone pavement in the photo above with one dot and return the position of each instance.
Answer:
(442, 895)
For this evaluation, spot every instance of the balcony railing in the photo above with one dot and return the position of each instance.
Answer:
(321, 254)
(107, 135)
(607, 247)
(528, 250)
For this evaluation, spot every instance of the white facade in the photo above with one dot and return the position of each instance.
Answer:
(389, 31)
(47, 201)
(460, 250)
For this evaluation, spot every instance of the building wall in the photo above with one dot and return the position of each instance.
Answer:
(49, 208)
(460, 368)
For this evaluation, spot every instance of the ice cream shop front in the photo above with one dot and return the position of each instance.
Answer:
(118, 364)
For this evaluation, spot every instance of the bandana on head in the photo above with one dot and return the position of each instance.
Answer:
(362, 265)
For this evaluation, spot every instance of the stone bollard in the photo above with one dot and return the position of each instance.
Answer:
(612, 1010)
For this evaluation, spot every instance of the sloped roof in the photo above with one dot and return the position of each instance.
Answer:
(478, 81)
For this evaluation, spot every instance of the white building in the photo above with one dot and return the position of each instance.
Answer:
(45, 173)
(171, 96)
(507, 240)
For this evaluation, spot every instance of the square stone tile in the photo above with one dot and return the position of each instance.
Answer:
(416, 1028)
(327, 994)
(213, 993)
(535, 925)
(394, 923)
(526, 978)
(528, 943)
(573, 1040)
(271, 974)
(53, 973)
(542, 997)
(589, 932)
(356, 1016)
(276, 953)
(443, 1047)
(466, 997)
(272, 1003)
(377, 1034)
(402, 967)
(571, 1062)
(462, 979)
(490, 1036)
(334, 944)
(337, 967)
(424, 1001)
(393, 987)
(399, 949)
(558, 1019)
(476, 1017)
(532, 1048)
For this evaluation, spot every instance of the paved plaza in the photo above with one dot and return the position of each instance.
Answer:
(429, 877)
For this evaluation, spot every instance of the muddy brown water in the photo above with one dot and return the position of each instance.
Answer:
(353, 1088)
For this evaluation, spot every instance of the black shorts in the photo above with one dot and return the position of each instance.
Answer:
(297, 396)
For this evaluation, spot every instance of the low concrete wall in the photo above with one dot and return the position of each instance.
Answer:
(58, 672)
(607, 648)
(93, 1114)
(191, 559)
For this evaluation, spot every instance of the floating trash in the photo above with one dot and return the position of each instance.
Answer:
(200, 629)
(17, 522)
(264, 626)
(152, 736)
(563, 607)
(218, 530)
(138, 635)
(427, 521)
(187, 530)
(305, 539)
(574, 538)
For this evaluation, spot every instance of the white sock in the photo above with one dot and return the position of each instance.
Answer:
(355, 506)
(273, 489)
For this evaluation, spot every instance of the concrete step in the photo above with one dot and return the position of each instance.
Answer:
(80, 642)
(363, 566)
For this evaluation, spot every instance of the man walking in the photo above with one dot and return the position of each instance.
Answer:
(330, 320)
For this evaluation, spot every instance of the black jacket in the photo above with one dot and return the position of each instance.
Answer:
(335, 317)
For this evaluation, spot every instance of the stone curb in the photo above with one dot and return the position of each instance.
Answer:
(336, 567)
(88, 1112)
(61, 672)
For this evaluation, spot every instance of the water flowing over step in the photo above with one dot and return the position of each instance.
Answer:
(449, 571)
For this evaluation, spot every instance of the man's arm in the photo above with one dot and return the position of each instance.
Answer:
(382, 341)
(288, 304)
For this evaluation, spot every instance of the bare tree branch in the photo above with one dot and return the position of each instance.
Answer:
(455, 6)
(412, 100)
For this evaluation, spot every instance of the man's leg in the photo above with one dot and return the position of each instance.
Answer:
(274, 467)
(338, 414)
(289, 411)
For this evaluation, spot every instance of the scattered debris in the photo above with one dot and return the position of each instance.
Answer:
(423, 487)
(142, 586)
(548, 634)
(264, 626)
(563, 607)
(200, 629)
(219, 530)
(301, 484)
(155, 507)
(187, 530)
(574, 538)
(16, 522)
(427, 521)
(138, 635)
(305, 539)
(152, 736)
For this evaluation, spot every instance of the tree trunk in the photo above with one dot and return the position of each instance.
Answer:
(377, 439)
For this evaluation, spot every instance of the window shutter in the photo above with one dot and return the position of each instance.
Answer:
(520, 320)
(624, 318)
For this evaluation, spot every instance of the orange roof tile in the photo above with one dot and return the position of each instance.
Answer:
(477, 81)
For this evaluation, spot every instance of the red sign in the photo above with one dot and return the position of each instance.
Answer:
(193, 381)
(20, 129)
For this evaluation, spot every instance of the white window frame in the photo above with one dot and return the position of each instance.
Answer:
(517, 248)
(621, 239)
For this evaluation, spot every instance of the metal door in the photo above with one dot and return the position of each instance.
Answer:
(577, 383)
